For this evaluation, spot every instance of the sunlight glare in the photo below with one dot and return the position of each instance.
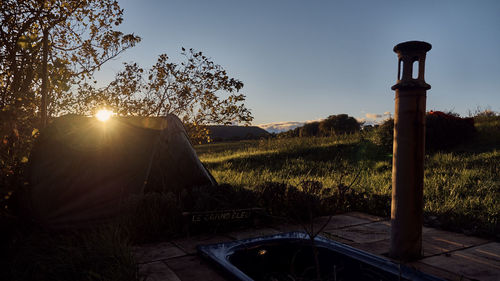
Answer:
(103, 115)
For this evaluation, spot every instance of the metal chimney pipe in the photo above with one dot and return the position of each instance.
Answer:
(408, 152)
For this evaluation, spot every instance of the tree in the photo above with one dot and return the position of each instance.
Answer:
(309, 129)
(197, 90)
(46, 46)
(41, 38)
(339, 124)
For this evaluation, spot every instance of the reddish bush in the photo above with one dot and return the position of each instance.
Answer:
(444, 130)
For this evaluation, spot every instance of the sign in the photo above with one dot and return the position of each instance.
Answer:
(221, 216)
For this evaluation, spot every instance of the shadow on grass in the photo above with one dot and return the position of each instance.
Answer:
(274, 161)
(225, 146)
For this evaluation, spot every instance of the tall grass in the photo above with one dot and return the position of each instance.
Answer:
(465, 189)
(461, 191)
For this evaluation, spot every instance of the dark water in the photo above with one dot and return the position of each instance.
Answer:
(295, 260)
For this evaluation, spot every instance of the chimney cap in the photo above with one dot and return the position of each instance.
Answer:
(412, 46)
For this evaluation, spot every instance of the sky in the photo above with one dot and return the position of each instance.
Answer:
(306, 60)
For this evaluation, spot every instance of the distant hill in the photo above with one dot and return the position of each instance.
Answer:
(229, 133)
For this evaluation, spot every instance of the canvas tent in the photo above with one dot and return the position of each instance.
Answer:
(81, 170)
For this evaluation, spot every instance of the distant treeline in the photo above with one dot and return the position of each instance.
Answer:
(443, 130)
(333, 125)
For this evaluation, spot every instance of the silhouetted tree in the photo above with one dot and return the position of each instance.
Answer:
(338, 124)
(46, 46)
(309, 129)
(197, 90)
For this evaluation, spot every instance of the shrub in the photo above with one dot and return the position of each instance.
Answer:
(384, 134)
(305, 202)
(16, 140)
(487, 124)
(444, 131)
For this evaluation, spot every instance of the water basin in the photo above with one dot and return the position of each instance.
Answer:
(292, 256)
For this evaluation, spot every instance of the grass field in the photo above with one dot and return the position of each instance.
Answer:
(461, 191)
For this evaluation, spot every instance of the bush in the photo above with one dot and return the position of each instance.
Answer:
(443, 131)
(384, 135)
(487, 124)
(307, 201)
(16, 139)
(288, 202)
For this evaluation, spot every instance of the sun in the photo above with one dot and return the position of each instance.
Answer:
(103, 115)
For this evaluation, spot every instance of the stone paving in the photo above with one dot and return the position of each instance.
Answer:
(451, 256)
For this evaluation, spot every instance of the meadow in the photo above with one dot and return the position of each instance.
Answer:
(461, 186)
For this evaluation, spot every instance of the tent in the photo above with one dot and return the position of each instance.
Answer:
(81, 170)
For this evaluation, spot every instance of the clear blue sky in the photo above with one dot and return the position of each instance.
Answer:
(305, 60)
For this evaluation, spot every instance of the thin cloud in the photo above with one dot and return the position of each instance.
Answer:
(373, 116)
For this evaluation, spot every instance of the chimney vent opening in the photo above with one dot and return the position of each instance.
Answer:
(415, 67)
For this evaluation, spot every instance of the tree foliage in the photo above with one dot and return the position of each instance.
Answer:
(46, 46)
(309, 129)
(197, 90)
(338, 125)
(81, 37)
(333, 125)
